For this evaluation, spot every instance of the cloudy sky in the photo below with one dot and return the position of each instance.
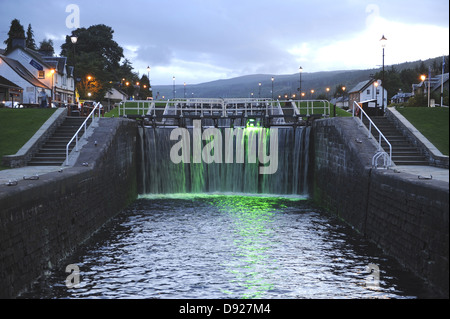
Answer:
(203, 40)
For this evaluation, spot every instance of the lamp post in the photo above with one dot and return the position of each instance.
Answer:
(343, 97)
(173, 78)
(184, 89)
(273, 79)
(300, 87)
(383, 45)
(52, 72)
(74, 40)
(259, 92)
(376, 93)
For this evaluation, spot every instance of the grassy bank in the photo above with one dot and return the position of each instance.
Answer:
(17, 126)
(432, 122)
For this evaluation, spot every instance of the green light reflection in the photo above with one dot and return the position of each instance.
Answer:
(252, 262)
(251, 218)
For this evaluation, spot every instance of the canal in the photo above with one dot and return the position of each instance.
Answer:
(220, 246)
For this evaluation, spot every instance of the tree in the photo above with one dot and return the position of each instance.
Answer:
(97, 55)
(29, 42)
(47, 46)
(16, 31)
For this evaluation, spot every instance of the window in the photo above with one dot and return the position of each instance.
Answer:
(368, 92)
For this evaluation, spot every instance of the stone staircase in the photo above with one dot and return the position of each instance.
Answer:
(53, 151)
(403, 151)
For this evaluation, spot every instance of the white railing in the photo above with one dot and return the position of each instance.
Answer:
(225, 107)
(97, 107)
(387, 158)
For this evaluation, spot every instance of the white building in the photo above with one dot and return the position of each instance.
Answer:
(369, 90)
(15, 72)
(50, 70)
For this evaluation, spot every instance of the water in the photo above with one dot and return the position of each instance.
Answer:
(188, 246)
(159, 175)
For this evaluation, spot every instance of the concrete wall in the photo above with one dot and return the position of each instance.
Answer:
(43, 221)
(405, 216)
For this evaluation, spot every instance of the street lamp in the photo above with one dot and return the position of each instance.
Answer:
(184, 89)
(173, 78)
(273, 79)
(259, 93)
(52, 72)
(376, 93)
(383, 45)
(300, 87)
(74, 40)
(343, 97)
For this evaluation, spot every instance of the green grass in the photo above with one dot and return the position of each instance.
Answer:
(432, 122)
(17, 126)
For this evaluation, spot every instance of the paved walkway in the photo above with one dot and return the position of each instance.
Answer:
(17, 174)
(425, 172)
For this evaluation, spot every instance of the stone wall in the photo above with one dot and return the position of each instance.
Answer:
(405, 216)
(43, 221)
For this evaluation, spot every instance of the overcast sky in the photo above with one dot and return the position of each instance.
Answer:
(203, 40)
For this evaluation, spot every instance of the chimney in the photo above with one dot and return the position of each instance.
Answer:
(17, 42)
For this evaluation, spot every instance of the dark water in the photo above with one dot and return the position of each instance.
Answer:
(228, 246)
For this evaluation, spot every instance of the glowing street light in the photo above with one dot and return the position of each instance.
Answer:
(173, 78)
(383, 45)
(273, 79)
(300, 87)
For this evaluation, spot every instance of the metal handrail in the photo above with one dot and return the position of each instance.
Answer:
(224, 107)
(380, 135)
(75, 136)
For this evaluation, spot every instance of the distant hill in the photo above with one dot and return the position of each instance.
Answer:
(288, 84)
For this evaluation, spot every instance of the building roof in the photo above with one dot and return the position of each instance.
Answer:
(361, 86)
(58, 63)
(4, 82)
(23, 72)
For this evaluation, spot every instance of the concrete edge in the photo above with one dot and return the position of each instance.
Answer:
(27, 150)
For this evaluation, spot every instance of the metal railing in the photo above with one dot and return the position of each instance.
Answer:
(387, 158)
(225, 108)
(84, 125)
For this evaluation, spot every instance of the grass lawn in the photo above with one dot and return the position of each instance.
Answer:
(432, 122)
(17, 126)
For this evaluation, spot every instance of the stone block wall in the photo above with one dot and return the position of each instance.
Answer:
(43, 221)
(405, 216)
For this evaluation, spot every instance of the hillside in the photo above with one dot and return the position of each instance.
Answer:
(284, 84)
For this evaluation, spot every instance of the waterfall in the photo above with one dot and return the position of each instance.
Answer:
(223, 168)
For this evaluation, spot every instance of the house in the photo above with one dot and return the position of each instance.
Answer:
(435, 84)
(9, 91)
(114, 96)
(31, 87)
(51, 71)
(368, 90)
(401, 97)
(341, 102)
